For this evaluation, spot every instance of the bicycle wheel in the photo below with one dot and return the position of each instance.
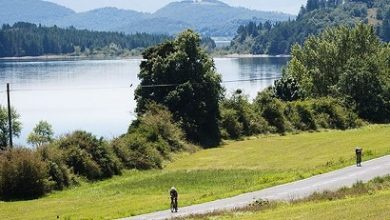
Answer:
(172, 207)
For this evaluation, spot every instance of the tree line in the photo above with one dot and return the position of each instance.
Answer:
(26, 39)
(316, 16)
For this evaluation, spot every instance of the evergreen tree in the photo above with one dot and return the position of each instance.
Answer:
(25, 39)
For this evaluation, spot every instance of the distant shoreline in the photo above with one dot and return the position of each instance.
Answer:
(236, 55)
(70, 57)
(67, 57)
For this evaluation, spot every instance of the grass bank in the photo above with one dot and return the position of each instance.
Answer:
(362, 201)
(208, 175)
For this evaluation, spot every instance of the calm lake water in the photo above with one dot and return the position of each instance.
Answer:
(95, 95)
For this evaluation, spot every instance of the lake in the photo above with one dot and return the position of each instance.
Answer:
(96, 96)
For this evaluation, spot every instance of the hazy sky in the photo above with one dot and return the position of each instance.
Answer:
(288, 6)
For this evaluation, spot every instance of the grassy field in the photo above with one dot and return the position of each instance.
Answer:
(208, 175)
(363, 207)
(362, 202)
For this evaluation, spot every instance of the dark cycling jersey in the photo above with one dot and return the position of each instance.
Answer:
(173, 193)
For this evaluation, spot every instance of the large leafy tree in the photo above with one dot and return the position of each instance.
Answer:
(347, 63)
(4, 130)
(181, 76)
(41, 134)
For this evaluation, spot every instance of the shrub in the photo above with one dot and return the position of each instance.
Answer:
(229, 124)
(136, 152)
(150, 139)
(273, 113)
(89, 156)
(23, 175)
(157, 122)
(58, 170)
(258, 125)
(272, 110)
(332, 112)
(301, 116)
(238, 117)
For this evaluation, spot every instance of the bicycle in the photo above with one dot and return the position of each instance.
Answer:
(174, 205)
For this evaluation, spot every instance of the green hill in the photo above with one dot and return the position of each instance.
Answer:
(208, 175)
(209, 17)
(278, 38)
(31, 10)
(213, 17)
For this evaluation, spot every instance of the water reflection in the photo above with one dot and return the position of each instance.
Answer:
(261, 70)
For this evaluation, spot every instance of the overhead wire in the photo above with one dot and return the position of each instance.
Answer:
(131, 86)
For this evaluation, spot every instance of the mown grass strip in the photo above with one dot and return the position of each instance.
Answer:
(208, 175)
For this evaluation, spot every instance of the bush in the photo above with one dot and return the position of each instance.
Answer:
(23, 175)
(230, 126)
(89, 156)
(332, 113)
(238, 117)
(301, 116)
(309, 114)
(312, 114)
(272, 110)
(58, 170)
(150, 139)
(136, 152)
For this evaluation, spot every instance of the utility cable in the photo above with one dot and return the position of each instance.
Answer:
(131, 85)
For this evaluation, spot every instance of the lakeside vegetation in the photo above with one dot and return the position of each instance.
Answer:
(279, 37)
(348, 64)
(26, 39)
(208, 175)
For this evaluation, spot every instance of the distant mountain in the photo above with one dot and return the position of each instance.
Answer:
(201, 12)
(210, 17)
(214, 17)
(12, 11)
(103, 19)
(156, 25)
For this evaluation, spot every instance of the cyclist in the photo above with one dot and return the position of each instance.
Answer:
(359, 152)
(174, 195)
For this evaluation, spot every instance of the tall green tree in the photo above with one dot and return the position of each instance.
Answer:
(4, 131)
(41, 134)
(347, 63)
(181, 76)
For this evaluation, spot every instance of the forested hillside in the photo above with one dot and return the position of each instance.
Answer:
(208, 17)
(278, 38)
(25, 39)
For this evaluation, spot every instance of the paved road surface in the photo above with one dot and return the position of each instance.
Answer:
(303, 188)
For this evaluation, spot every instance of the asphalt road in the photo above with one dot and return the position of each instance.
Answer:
(300, 189)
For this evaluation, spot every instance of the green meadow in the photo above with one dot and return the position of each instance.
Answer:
(362, 201)
(373, 207)
(206, 175)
